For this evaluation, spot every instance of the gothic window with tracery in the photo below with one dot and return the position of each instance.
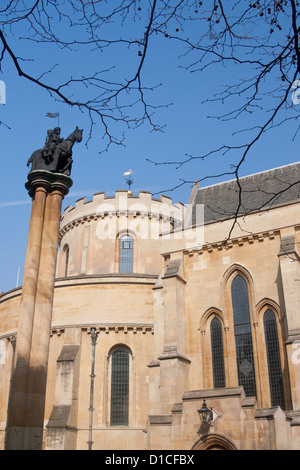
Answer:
(243, 335)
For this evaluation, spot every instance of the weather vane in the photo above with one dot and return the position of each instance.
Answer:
(129, 180)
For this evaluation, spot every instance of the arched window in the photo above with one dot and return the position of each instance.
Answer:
(126, 254)
(67, 252)
(119, 405)
(217, 353)
(64, 261)
(273, 358)
(243, 336)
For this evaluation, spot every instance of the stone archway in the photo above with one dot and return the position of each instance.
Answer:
(214, 442)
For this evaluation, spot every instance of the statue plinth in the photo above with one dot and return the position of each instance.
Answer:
(49, 181)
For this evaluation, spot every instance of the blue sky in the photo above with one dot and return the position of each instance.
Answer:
(188, 130)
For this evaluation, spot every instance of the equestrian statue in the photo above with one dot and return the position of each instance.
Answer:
(56, 155)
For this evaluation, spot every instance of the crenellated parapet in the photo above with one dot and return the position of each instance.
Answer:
(122, 203)
(90, 232)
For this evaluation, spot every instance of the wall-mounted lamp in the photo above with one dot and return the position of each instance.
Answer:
(206, 414)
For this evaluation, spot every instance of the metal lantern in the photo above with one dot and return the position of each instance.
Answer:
(206, 414)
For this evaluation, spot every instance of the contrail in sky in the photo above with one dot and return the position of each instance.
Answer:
(81, 193)
(28, 201)
(14, 203)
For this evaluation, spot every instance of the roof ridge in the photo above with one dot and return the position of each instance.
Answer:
(249, 176)
(260, 191)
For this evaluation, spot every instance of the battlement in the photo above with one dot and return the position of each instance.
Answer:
(123, 203)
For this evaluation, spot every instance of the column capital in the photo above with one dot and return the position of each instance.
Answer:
(49, 181)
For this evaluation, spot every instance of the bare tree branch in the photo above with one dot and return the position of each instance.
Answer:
(258, 37)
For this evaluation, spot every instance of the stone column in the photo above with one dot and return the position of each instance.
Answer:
(27, 398)
(17, 400)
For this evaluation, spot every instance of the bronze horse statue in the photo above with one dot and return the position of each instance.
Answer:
(61, 159)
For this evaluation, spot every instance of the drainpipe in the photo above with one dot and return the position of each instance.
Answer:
(92, 375)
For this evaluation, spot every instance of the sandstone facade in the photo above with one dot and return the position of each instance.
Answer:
(159, 318)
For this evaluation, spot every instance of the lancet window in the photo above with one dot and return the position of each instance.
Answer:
(217, 353)
(243, 335)
(119, 406)
(273, 358)
(126, 254)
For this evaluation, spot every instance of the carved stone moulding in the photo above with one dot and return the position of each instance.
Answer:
(49, 181)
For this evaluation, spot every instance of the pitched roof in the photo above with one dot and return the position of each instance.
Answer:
(261, 191)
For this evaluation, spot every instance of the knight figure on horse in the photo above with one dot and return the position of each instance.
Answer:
(56, 155)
